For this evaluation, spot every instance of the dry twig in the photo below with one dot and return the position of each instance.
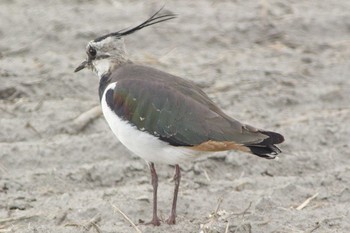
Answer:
(126, 218)
(206, 174)
(81, 121)
(91, 223)
(5, 110)
(15, 219)
(306, 202)
(5, 230)
(244, 212)
(218, 206)
(30, 126)
(227, 227)
(213, 218)
(86, 117)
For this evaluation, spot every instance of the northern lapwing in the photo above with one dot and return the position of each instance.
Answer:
(163, 118)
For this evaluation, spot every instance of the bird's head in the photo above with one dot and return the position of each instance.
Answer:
(108, 51)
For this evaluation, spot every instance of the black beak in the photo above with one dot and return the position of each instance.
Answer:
(83, 65)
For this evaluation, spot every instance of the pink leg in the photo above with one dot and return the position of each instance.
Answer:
(177, 177)
(155, 220)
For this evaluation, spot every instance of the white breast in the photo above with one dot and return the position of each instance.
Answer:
(142, 143)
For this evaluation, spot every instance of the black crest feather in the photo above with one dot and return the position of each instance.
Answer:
(154, 19)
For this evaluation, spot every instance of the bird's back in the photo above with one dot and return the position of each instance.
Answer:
(180, 113)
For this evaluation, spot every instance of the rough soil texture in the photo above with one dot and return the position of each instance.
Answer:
(278, 65)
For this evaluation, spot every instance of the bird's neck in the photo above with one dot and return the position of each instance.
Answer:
(104, 74)
(104, 66)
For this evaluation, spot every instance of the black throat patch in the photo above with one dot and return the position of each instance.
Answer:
(104, 81)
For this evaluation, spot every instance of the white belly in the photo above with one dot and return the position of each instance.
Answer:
(142, 143)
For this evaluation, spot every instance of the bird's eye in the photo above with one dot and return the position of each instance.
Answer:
(92, 52)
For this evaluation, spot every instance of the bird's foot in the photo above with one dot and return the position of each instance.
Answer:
(155, 222)
(171, 220)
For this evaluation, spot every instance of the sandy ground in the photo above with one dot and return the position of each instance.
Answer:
(279, 65)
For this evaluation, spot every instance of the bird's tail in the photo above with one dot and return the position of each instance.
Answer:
(267, 149)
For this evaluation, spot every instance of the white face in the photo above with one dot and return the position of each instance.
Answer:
(105, 55)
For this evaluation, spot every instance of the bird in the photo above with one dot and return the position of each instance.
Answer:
(164, 118)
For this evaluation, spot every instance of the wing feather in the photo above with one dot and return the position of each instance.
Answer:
(175, 110)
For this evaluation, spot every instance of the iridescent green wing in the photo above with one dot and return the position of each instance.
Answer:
(174, 112)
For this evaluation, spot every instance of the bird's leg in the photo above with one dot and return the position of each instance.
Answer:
(155, 220)
(177, 177)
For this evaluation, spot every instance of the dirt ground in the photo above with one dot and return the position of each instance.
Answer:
(281, 65)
